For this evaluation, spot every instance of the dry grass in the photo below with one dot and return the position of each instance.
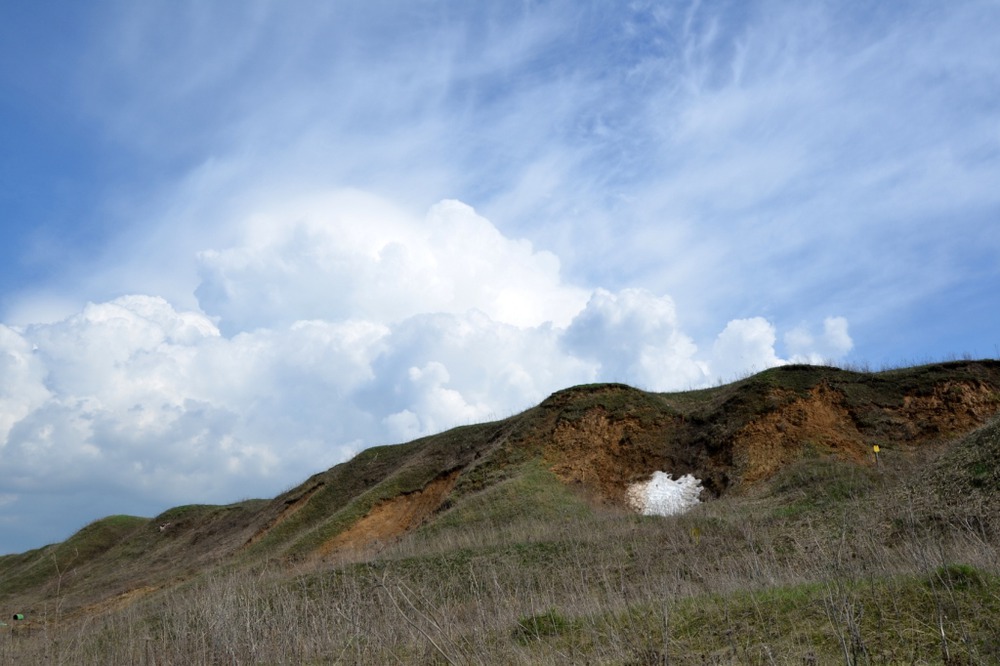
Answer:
(792, 576)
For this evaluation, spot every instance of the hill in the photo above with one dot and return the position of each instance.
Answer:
(514, 541)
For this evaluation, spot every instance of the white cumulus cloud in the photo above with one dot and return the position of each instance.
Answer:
(349, 254)
(834, 342)
(336, 323)
(745, 345)
(634, 336)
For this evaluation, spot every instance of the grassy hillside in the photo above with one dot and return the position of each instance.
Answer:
(510, 542)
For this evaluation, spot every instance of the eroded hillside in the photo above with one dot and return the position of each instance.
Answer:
(597, 440)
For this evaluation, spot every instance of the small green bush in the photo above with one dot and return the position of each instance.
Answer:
(541, 625)
(959, 576)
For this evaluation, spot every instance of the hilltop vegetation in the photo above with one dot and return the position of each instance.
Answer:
(511, 541)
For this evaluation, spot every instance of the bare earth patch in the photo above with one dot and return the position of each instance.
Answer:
(391, 518)
(607, 455)
(765, 445)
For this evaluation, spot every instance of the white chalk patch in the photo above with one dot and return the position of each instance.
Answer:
(663, 496)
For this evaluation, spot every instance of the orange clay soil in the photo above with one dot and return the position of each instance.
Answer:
(606, 454)
(953, 408)
(391, 518)
(765, 445)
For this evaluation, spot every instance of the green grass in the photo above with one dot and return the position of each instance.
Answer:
(615, 400)
(340, 485)
(41, 566)
(350, 490)
(882, 621)
(532, 493)
(599, 588)
(543, 625)
(820, 483)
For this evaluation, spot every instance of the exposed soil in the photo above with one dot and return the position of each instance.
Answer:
(606, 454)
(820, 421)
(824, 423)
(391, 518)
(951, 409)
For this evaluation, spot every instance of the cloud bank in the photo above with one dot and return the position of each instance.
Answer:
(335, 323)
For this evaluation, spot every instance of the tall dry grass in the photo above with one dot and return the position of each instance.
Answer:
(780, 579)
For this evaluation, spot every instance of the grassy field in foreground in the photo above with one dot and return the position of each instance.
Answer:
(818, 570)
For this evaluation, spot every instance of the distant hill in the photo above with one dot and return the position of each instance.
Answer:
(792, 446)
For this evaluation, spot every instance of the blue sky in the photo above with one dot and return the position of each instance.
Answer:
(244, 240)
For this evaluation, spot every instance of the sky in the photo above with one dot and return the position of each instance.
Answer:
(243, 241)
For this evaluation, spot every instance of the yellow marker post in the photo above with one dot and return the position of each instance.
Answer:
(876, 450)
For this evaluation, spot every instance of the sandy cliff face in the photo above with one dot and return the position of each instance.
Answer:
(819, 421)
(390, 519)
(953, 408)
(605, 450)
(607, 454)
(603, 439)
